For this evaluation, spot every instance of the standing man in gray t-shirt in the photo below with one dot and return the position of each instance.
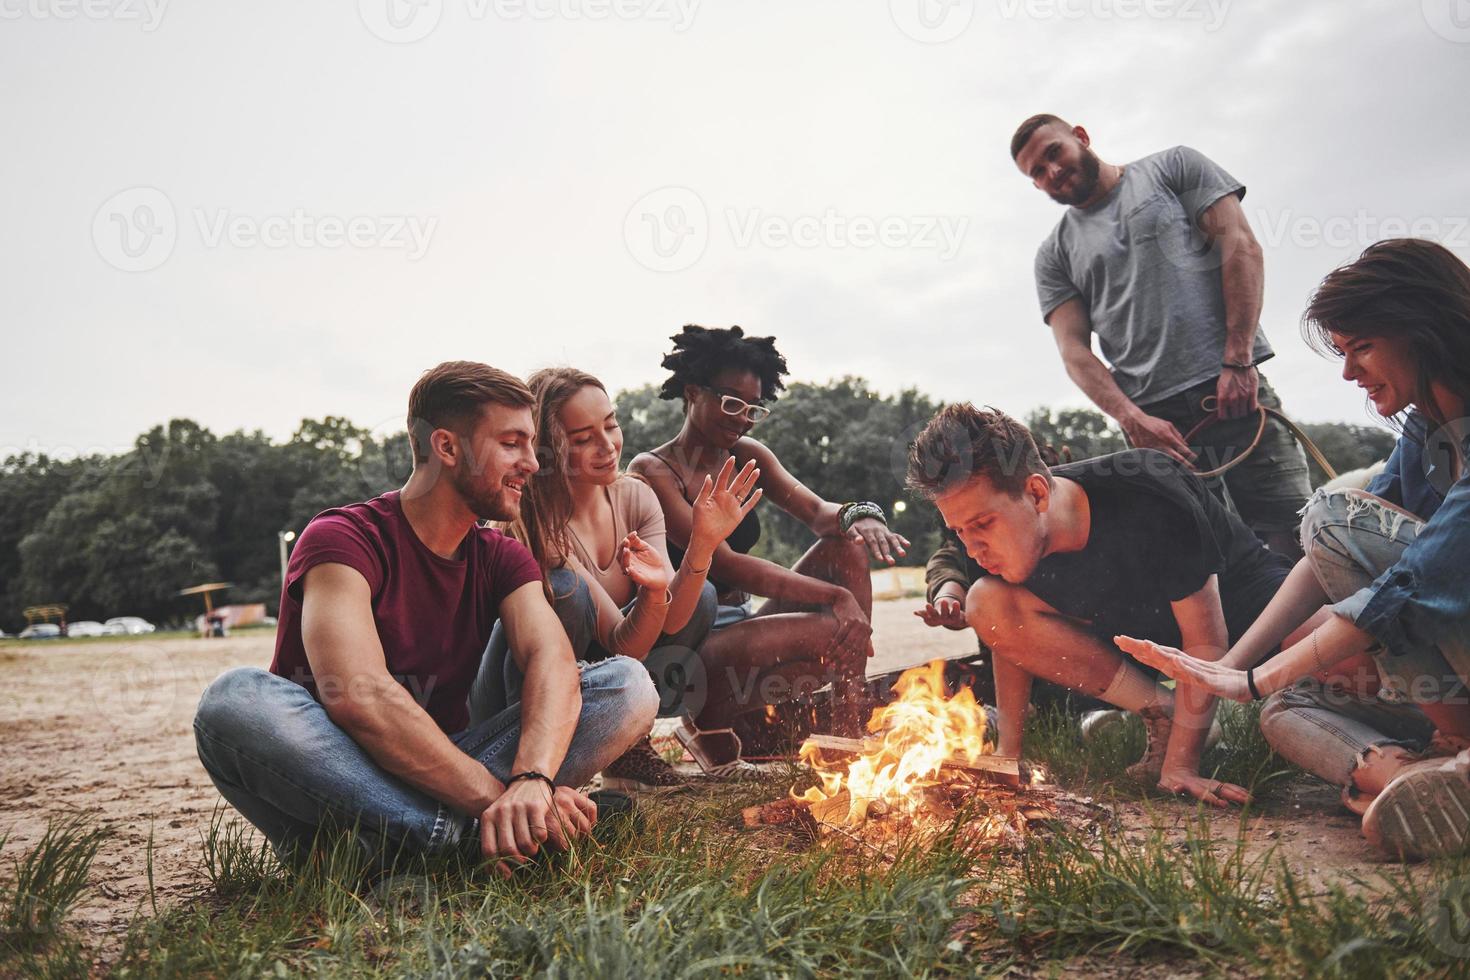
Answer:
(1156, 257)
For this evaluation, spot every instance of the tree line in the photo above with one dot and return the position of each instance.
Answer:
(113, 535)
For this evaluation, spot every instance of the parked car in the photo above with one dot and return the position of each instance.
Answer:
(85, 627)
(127, 625)
(40, 631)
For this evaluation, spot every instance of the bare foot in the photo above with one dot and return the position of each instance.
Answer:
(1376, 769)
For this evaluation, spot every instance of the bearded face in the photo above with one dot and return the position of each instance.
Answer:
(497, 458)
(1078, 183)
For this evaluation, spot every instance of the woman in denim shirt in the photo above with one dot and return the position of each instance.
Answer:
(1374, 698)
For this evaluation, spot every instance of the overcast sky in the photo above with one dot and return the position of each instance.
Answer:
(250, 213)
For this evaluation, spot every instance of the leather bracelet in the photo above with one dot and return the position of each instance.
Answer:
(531, 774)
(1241, 367)
(1250, 682)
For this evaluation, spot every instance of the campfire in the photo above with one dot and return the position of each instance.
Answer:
(929, 754)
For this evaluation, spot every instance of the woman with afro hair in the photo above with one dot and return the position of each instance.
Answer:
(814, 627)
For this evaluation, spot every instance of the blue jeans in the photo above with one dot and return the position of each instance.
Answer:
(277, 758)
(672, 663)
(1351, 538)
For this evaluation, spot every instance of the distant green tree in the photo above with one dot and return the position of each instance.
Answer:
(1080, 433)
(841, 438)
(120, 535)
(647, 420)
(1347, 447)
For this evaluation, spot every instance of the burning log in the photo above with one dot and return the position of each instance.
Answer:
(827, 812)
(776, 814)
(994, 768)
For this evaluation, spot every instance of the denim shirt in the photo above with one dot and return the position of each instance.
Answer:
(1409, 478)
(1423, 600)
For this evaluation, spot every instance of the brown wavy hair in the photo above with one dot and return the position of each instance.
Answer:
(1410, 289)
(546, 513)
(963, 442)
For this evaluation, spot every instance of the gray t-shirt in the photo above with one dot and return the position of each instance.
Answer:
(1149, 278)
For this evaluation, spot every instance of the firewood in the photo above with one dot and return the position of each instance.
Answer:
(832, 811)
(996, 768)
(838, 744)
(775, 814)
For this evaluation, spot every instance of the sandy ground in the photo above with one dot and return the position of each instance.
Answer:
(103, 728)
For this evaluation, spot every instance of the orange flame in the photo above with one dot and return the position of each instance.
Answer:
(916, 734)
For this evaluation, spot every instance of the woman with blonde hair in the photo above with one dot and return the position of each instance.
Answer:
(599, 537)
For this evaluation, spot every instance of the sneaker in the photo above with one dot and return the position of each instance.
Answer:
(1094, 723)
(1158, 725)
(640, 769)
(1424, 812)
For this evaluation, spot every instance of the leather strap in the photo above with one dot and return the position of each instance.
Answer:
(1210, 404)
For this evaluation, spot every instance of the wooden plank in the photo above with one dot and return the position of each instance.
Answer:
(835, 743)
(832, 811)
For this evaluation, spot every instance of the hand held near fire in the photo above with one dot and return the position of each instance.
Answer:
(946, 610)
(1221, 681)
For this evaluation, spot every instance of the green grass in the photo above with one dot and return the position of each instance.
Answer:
(677, 893)
(1242, 755)
(1200, 896)
(44, 884)
(680, 890)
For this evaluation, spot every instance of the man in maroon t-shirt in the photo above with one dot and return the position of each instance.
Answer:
(386, 613)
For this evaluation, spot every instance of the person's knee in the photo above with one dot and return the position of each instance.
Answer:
(1324, 531)
(995, 609)
(232, 700)
(1323, 509)
(845, 551)
(621, 685)
(567, 586)
(1274, 721)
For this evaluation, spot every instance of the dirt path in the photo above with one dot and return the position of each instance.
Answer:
(103, 728)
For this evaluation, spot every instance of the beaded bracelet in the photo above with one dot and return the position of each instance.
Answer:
(855, 510)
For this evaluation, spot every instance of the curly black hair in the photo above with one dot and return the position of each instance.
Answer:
(702, 352)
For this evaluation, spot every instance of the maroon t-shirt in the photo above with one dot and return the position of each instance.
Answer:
(433, 614)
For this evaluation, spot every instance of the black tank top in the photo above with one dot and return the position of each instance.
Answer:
(742, 539)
